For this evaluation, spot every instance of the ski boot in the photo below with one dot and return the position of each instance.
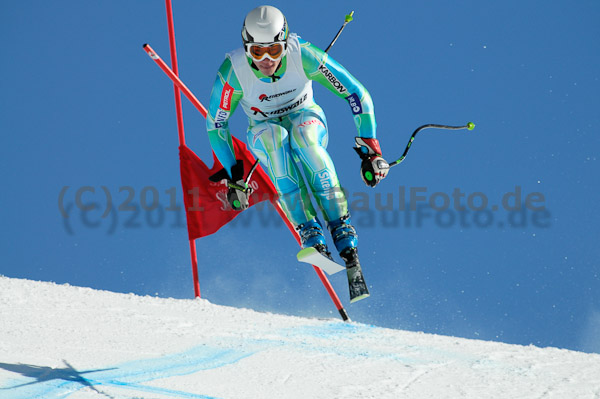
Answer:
(346, 242)
(311, 235)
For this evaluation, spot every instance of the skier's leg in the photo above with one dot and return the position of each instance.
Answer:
(270, 143)
(308, 141)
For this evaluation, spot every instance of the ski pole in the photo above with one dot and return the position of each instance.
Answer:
(469, 126)
(346, 20)
(251, 172)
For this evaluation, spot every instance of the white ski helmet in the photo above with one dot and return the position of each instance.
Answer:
(265, 24)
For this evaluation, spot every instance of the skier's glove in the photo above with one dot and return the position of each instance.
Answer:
(373, 168)
(238, 194)
(238, 190)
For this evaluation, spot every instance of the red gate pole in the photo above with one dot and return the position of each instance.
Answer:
(176, 81)
(175, 69)
(179, 112)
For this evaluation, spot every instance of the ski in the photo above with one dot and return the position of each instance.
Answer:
(312, 256)
(356, 282)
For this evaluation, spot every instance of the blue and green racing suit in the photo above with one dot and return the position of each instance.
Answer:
(287, 129)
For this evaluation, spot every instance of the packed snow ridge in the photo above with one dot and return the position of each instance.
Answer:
(60, 341)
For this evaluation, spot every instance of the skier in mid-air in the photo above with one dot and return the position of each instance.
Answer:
(271, 77)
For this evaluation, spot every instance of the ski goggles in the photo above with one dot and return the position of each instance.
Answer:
(272, 51)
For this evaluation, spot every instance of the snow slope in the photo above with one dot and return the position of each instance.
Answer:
(60, 341)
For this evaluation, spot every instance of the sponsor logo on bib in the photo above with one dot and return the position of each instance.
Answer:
(264, 97)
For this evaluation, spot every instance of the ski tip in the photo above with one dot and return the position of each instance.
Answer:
(144, 45)
(303, 253)
(358, 298)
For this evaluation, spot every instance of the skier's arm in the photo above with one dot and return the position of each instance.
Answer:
(325, 70)
(225, 96)
(319, 66)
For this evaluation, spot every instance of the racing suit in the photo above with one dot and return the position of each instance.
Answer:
(287, 129)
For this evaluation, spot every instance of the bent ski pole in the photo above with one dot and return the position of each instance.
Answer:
(469, 126)
(346, 20)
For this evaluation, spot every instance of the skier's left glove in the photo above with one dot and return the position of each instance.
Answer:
(373, 168)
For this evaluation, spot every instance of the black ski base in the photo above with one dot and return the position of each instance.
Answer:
(356, 281)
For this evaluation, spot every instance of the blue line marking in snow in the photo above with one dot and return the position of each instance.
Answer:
(130, 375)
(335, 338)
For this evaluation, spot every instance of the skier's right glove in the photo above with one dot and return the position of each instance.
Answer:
(373, 168)
(238, 193)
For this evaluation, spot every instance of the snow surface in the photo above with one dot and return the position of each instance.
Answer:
(60, 341)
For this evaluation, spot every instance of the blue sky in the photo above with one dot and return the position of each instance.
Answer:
(82, 105)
